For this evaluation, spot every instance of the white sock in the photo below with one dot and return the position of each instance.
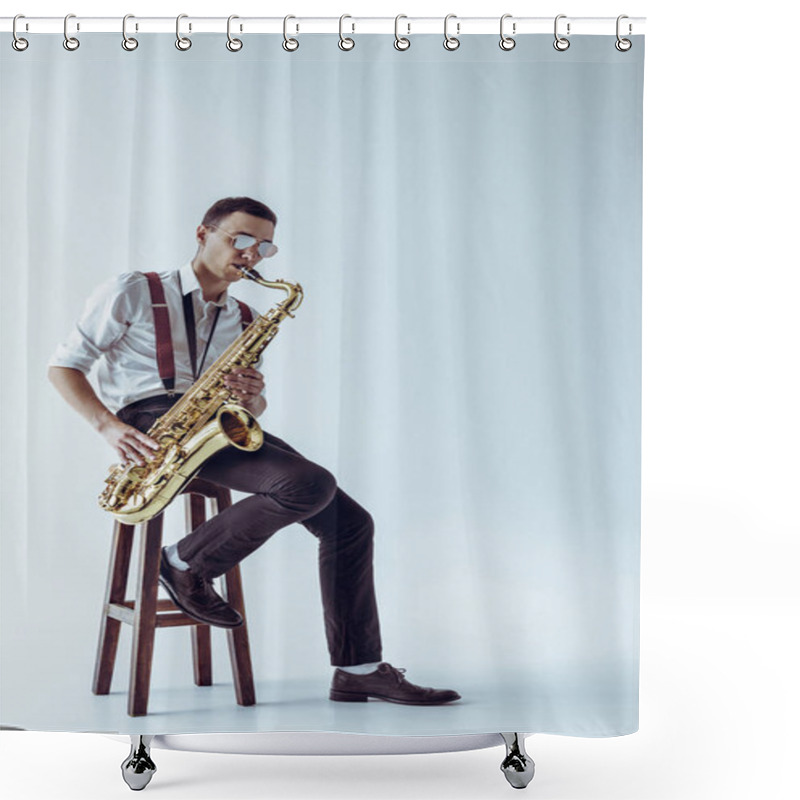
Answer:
(361, 669)
(175, 559)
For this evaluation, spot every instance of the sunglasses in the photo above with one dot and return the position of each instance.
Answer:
(243, 241)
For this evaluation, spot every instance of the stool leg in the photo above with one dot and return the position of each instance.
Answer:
(144, 619)
(201, 634)
(238, 639)
(116, 583)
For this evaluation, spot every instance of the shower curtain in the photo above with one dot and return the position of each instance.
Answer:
(466, 363)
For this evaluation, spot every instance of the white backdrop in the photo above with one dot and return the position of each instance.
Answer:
(719, 432)
(466, 360)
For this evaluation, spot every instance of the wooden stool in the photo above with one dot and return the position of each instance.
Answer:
(146, 612)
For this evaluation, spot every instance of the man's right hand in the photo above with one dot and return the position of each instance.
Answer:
(130, 444)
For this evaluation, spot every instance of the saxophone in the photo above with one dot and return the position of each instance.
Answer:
(202, 422)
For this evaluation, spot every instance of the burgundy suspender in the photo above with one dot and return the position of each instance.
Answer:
(247, 316)
(164, 352)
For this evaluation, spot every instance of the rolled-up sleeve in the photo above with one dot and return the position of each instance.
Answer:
(105, 318)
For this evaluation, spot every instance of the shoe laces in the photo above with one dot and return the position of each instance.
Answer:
(398, 673)
(198, 580)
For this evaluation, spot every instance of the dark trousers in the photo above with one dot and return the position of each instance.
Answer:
(285, 487)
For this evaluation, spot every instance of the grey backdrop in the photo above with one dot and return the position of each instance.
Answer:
(467, 229)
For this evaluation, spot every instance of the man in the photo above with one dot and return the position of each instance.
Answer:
(117, 328)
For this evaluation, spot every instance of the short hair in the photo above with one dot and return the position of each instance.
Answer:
(229, 205)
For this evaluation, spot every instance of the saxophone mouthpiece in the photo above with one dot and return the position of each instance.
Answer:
(249, 272)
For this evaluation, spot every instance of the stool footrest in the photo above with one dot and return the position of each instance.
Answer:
(168, 615)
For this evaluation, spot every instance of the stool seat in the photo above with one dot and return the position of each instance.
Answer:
(145, 612)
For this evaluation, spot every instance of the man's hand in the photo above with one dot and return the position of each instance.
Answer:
(247, 383)
(129, 443)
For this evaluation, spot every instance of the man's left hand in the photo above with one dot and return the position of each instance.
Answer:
(246, 384)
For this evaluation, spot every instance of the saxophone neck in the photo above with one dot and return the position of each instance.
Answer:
(293, 290)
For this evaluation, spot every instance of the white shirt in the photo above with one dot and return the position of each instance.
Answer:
(116, 329)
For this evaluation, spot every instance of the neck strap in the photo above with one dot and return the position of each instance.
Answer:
(191, 332)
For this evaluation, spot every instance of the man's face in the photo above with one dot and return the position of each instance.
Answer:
(217, 251)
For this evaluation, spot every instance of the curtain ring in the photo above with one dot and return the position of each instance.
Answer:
(182, 42)
(560, 43)
(234, 45)
(290, 45)
(345, 42)
(70, 42)
(400, 42)
(128, 42)
(18, 43)
(623, 45)
(451, 42)
(507, 42)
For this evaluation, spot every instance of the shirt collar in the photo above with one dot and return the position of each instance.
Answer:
(189, 284)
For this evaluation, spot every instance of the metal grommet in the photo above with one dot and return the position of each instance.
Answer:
(182, 42)
(18, 43)
(345, 42)
(451, 42)
(234, 45)
(561, 43)
(290, 45)
(70, 42)
(623, 45)
(128, 42)
(400, 42)
(507, 42)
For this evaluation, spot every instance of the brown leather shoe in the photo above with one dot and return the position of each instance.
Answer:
(386, 683)
(195, 596)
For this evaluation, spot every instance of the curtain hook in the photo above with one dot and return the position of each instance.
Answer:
(561, 43)
(234, 45)
(451, 42)
(290, 45)
(70, 42)
(623, 45)
(182, 42)
(128, 42)
(507, 42)
(400, 42)
(346, 43)
(18, 43)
